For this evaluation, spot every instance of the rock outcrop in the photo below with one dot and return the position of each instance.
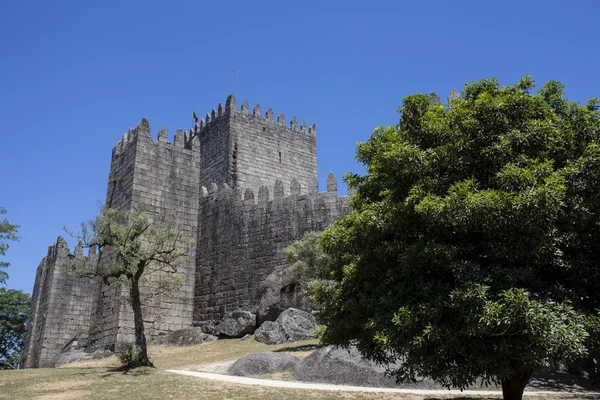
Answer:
(341, 366)
(185, 337)
(263, 363)
(279, 292)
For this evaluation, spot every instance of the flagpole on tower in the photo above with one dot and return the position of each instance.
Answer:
(232, 81)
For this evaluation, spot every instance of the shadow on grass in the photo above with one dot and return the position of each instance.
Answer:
(304, 347)
(466, 398)
(137, 371)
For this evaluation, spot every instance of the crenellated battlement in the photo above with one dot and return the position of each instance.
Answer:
(182, 139)
(215, 193)
(452, 95)
(60, 250)
(230, 109)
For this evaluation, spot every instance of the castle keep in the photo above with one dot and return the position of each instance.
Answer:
(242, 184)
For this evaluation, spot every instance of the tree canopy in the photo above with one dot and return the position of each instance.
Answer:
(309, 265)
(8, 233)
(471, 250)
(141, 253)
(14, 311)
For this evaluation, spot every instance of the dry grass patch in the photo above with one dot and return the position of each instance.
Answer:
(107, 362)
(99, 380)
(60, 385)
(165, 357)
(75, 394)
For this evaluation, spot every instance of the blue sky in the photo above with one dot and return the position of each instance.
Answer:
(75, 75)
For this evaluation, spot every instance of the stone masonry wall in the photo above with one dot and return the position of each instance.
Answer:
(105, 318)
(61, 306)
(163, 177)
(241, 237)
(249, 151)
(214, 133)
(266, 149)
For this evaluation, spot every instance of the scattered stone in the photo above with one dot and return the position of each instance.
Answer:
(236, 324)
(269, 333)
(207, 326)
(210, 338)
(290, 326)
(263, 363)
(297, 324)
(185, 337)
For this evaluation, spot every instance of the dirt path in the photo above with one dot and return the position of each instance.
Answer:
(343, 388)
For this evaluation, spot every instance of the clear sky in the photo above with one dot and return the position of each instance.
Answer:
(75, 75)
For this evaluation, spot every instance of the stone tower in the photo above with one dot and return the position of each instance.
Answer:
(248, 150)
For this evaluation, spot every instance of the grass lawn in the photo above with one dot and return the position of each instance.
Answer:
(98, 379)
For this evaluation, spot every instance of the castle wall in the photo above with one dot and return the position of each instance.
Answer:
(241, 238)
(163, 177)
(106, 315)
(37, 311)
(61, 306)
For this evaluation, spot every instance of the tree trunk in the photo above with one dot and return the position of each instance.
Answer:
(512, 388)
(140, 338)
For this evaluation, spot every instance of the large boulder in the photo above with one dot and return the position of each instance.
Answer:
(278, 292)
(185, 337)
(236, 324)
(290, 326)
(341, 366)
(270, 333)
(262, 363)
(297, 324)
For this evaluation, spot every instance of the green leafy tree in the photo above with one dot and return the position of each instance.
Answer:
(471, 252)
(14, 311)
(140, 253)
(309, 266)
(8, 233)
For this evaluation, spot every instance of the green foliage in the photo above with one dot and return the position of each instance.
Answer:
(309, 265)
(141, 252)
(14, 311)
(135, 247)
(471, 249)
(592, 364)
(8, 233)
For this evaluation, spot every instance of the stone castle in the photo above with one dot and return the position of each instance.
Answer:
(243, 185)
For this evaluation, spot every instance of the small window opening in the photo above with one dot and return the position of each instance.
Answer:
(279, 157)
(264, 129)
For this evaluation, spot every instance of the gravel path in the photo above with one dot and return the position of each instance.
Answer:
(343, 388)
